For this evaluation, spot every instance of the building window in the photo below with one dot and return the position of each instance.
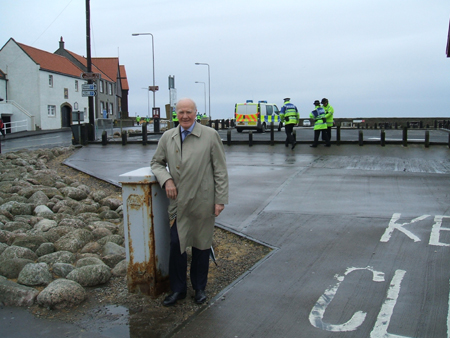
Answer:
(51, 111)
(76, 86)
(111, 111)
(102, 109)
(109, 88)
(66, 93)
(50, 81)
(75, 106)
(101, 86)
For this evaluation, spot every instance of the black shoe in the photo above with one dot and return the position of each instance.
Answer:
(327, 145)
(200, 296)
(313, 146)
(286, 145)
(173, 297)
(293, 145)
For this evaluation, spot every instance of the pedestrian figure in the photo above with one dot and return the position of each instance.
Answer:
(1, 128)
(189, 163)
(290, 116)
(329, 114)
(320, 125)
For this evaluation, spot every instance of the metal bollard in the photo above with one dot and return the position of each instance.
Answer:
(449, 140)
(272, 135)
(383, 138)
(427, 138)
(229, 137)
(361, 138)
(147, 232)
(124, 137)
(338, 135)
(144, 134)
(250, 139)
(405, 136)
(216, 124)
(104, 138)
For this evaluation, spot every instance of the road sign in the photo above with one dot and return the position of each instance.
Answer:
(91, 76)
(89, 86)
(153, 88)
(85, 93)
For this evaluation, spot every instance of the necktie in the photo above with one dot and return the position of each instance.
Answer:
(185, 133)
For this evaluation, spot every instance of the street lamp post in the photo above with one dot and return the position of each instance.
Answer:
(204, 89)
(209, 86)
(153, 62)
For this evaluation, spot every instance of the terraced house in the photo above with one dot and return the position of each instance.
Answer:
(40, 90)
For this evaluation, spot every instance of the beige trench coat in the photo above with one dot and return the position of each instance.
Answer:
(200, 174)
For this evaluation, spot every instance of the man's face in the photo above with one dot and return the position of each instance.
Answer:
(325, 103)
(186, 113)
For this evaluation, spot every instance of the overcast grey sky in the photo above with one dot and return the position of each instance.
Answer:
(368, 57)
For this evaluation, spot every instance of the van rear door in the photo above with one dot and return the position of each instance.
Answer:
(246, 115)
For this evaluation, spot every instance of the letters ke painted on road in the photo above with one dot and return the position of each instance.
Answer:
(384, 316)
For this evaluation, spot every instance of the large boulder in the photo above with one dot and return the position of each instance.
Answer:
(15, 225)
(38, 198)
(111, 248)
(10, 268)
(120, 269)
(61, 293)
(17, 208)
(35, 274)
(88, 261)
(17, 252)
(45, 249)
(45, 225)
(91, 275)
(32, 242)
(62, 269)
(13, 294)
(74, 193)
(74, 241)
(58, 257)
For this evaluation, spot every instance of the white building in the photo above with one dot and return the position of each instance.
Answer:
(40, 90)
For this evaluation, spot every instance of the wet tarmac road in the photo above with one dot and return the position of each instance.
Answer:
(361, 235)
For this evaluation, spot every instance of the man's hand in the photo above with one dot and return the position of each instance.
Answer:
(218, 209)
(171, 189)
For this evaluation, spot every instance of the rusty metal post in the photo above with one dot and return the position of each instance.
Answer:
(229, 137)
(250, 139)
(361, 138)
(147, 232)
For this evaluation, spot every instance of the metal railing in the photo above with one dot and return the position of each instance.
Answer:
(18, 114)
(15, 126)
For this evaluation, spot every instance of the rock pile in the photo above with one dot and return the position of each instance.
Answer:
(56, 235)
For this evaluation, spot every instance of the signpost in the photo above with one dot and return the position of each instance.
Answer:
(91, 76)
(153, 88)
(89, 86)
(86, 93)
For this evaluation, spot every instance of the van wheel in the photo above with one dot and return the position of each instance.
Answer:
(263, 128)
(239, 130)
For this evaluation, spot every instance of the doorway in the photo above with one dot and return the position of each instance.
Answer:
(66, 116)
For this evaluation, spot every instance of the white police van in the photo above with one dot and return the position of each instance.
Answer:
(257, 116)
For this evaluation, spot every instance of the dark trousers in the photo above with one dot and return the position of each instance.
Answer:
(329, 133)
(324, 137)
(289, 128)
(178, 265)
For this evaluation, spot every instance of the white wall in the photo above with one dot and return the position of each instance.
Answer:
(29, 87)
(23, 76)
(55, 96)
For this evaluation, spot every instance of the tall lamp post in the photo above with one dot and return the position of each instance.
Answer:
(153, 62)
(204, 89)
(153, 88)
(209, 86)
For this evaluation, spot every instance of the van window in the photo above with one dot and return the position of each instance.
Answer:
(262, 109)
(275, 108)
(269, 110)
(246, 109)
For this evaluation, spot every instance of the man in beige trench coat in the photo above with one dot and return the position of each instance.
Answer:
(189, 163)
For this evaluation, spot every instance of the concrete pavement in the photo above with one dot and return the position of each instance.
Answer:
(361, 238)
